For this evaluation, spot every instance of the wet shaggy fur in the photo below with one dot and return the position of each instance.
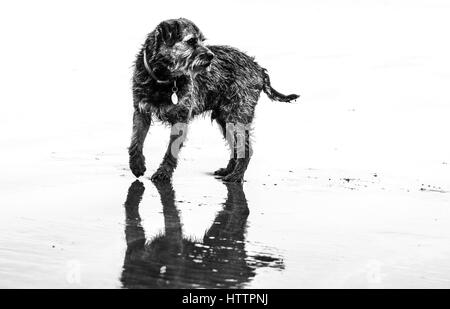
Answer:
(219, 79)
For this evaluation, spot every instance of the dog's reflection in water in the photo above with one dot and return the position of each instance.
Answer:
(171, 261)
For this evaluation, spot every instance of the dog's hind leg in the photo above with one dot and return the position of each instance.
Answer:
(232, 162)
(238, 136)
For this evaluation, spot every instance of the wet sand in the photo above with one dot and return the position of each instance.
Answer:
(80, 219)
(349, 188)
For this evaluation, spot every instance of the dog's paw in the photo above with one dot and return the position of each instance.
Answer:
(222, 172)
(234, 177)
(137, 165)
(162, 174)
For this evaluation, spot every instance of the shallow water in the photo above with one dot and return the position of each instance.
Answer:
(80, 219)
(172, 260)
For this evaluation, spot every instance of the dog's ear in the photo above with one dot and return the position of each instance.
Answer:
(168, 32)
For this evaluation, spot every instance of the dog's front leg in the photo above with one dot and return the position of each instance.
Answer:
(177, 138)
(141, 124)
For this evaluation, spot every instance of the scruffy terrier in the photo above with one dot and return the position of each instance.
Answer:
(177, 77)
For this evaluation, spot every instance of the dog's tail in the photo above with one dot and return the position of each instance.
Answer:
(272, 93)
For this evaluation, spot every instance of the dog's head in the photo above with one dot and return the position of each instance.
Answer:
(177, 47)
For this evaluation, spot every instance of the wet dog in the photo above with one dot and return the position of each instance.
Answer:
(177, 77)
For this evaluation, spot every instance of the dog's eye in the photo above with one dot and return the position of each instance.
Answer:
(192, 41)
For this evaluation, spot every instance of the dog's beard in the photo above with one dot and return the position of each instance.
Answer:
(182, 64)
(189, 66)
(198, 66)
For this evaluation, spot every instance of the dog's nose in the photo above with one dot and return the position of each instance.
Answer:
(209, 56)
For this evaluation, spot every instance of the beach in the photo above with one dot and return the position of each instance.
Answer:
(347, 188)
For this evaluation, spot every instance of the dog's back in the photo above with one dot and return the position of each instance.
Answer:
(233, 78)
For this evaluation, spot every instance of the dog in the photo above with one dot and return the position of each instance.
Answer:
(177, 77)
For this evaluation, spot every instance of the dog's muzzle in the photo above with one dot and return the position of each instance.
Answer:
(207, 57)
(203, 60)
